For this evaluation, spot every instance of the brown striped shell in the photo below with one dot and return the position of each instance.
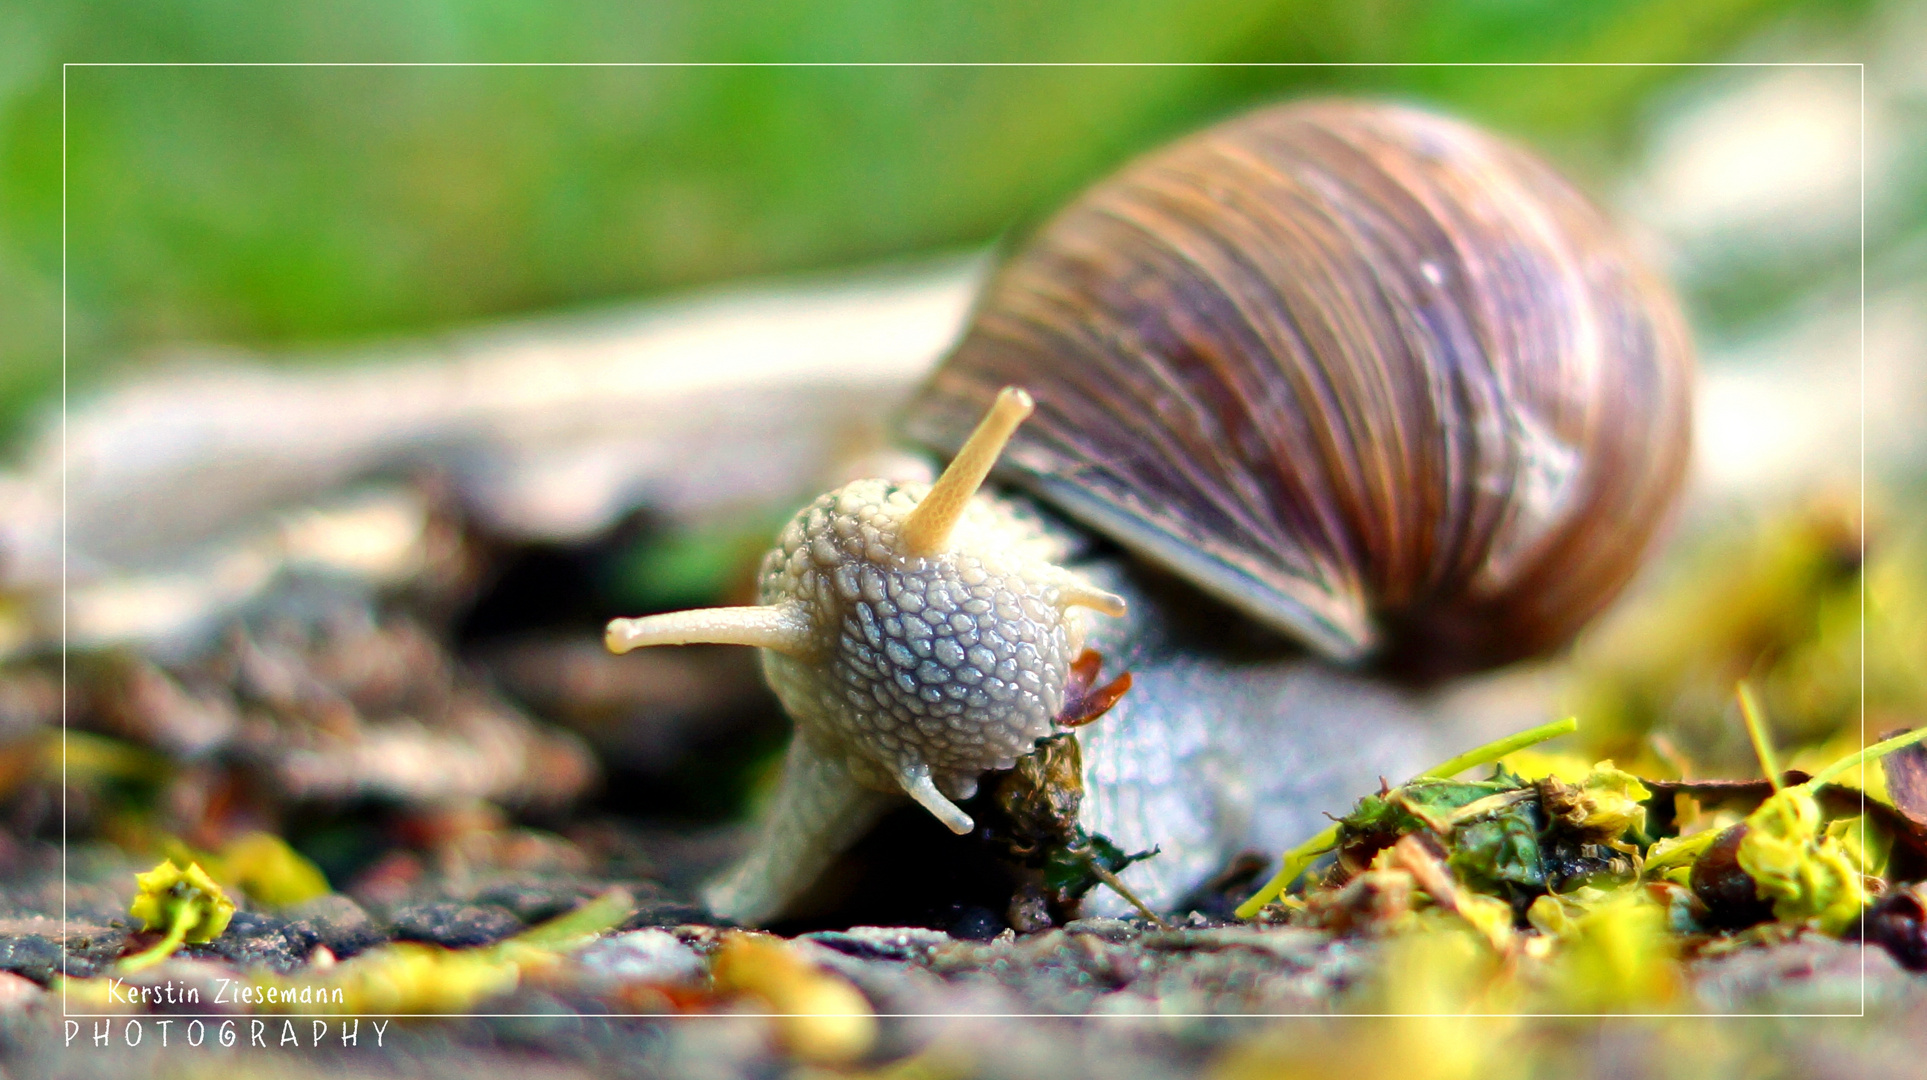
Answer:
(1376, 378)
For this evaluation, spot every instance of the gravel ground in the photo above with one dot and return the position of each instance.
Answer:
(1098, 998)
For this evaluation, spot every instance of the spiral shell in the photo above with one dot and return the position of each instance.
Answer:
(1378, 379)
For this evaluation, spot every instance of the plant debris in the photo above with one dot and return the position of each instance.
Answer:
(1590, 896)
(1055, 860)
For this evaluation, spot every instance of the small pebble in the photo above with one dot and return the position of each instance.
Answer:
(17, 993)
(31, 956)
(336, 922)
(534, 902)
(651, 956)
(665, 913)
(1108, 929)
(882, 942)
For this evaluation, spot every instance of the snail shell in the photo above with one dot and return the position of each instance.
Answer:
(1375, 378)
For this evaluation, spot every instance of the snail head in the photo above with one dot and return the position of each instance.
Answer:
(915, 632)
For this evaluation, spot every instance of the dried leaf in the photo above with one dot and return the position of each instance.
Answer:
(1906, 771)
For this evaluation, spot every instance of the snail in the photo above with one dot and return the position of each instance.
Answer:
(1384, 386)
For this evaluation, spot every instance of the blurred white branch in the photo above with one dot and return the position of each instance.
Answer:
(549, 429)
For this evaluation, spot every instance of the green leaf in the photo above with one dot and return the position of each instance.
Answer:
(270, 872)
(579, 927)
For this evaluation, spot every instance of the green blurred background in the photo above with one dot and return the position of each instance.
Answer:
(284, 208)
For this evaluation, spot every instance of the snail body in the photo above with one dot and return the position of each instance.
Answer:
(1379, 382)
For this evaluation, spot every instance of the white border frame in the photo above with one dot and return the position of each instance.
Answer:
(1862, 465)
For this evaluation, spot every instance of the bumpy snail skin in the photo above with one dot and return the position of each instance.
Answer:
(918, 636)
(1222, 750)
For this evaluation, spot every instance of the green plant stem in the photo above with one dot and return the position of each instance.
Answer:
(184, 917)
(1498, 748)
(1877, 750)
(1302, 856)
(1123, 890)
(1295, 862)
(1755, 719)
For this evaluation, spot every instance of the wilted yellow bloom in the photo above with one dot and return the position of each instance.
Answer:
(1614, 800)
(258, 864)
(1548, 916)
(1489, 915)
(185, 902)
(169, 894)
(1603, 805)
(1866, 847)
(1806, 871)
(825, 1019)
(1618, 956)
(407, 977)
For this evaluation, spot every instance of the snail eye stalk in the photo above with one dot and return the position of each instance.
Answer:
(927, 530)
(1081, 595)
